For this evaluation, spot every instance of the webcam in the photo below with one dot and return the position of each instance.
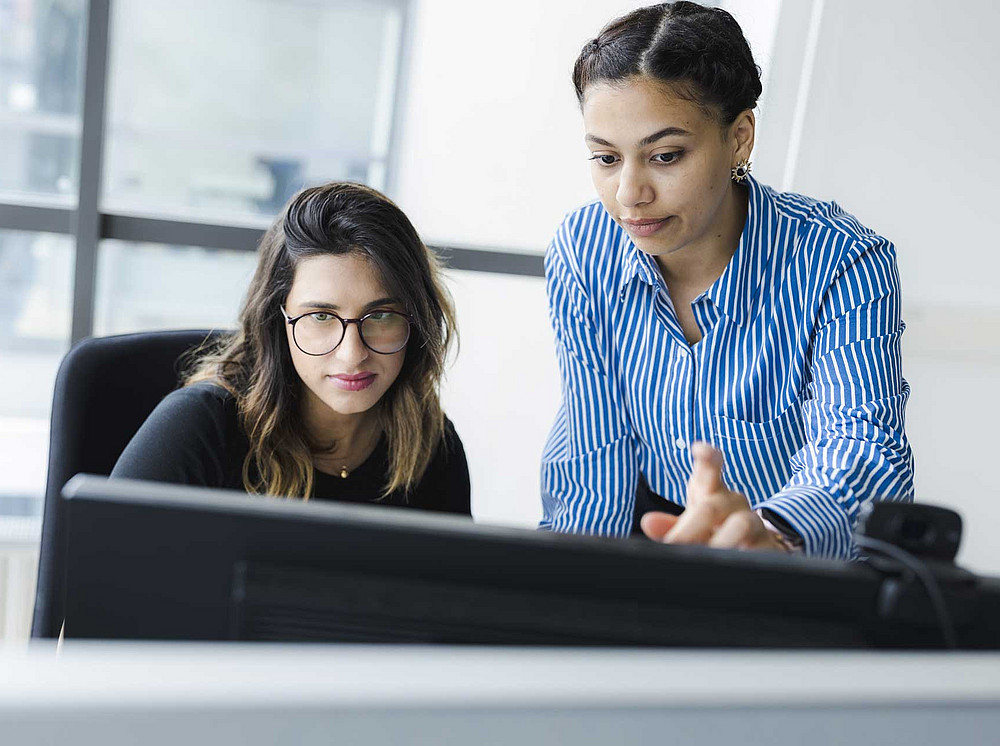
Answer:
(926, 531)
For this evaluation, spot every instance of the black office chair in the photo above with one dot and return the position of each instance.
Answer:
(105, 389)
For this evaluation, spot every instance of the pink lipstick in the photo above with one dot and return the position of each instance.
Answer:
(355, 382)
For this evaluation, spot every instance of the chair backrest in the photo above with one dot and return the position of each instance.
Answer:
(105, 389)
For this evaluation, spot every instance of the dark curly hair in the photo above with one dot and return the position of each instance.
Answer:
(700, 51)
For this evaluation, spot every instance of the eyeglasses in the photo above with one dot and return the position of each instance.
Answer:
(321, 332)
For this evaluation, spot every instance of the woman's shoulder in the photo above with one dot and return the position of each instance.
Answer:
(191, 437)
(206, 390)
(205, 398)
(826, 220)
(589, 251)
(585, 233)
(822, 238)
(205, 412)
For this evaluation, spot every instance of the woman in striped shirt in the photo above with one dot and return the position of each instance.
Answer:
(730, 355)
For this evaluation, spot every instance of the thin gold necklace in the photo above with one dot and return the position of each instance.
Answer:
(345, 472)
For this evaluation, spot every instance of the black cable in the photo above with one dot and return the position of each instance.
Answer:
(919, 568)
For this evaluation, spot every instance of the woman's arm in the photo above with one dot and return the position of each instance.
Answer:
(589, 467)
(856, 449)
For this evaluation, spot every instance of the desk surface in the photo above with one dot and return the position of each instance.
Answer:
(103, 693)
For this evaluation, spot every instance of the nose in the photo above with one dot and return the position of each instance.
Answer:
(634, 187)
(351, 349)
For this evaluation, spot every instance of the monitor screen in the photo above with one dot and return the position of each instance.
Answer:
(159, 561)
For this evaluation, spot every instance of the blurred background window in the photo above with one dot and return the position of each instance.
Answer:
(223, 110)
(142, 287)
(40, 97)
(35, 298)
(40, 105)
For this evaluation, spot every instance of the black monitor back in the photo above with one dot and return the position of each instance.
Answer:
(157, 561)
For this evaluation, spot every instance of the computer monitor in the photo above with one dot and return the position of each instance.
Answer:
(159, 561)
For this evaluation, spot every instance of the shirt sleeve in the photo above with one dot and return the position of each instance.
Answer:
(589, 467)
(855, 449)
(183, 441)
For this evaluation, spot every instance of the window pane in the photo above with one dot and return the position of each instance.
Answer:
(35, 300)
(141, 287)
(40, 95)
(223, 109)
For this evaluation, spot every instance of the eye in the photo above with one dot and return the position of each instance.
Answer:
(604, 159)
(671, 157)
(380, 315)
(321, 317)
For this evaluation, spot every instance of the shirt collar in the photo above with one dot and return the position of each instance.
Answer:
(736, 290)
(636, 265)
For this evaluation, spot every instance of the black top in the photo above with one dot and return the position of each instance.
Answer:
(194, 437)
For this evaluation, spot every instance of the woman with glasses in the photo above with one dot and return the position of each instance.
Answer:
(730, 354)
(329, 388)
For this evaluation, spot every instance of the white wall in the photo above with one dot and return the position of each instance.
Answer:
(503, 391)
(898, 127)
(492, 151)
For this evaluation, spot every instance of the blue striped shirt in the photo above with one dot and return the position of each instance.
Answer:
(797, 377)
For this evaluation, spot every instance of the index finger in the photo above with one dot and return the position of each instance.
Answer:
(695, 525)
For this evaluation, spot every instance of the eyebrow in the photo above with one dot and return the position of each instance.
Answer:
(648, 140)
(334, 307)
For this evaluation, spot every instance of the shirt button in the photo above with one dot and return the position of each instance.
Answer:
(680, 443)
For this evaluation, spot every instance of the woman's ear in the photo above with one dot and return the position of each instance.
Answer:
(742, 133)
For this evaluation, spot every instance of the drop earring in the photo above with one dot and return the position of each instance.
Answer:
(740, 171)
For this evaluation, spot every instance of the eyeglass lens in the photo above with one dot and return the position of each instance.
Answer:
(381, 331)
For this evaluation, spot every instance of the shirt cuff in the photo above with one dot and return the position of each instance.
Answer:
(788, 536)
(817, 517)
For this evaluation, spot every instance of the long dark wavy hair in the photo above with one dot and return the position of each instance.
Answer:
(255, 365)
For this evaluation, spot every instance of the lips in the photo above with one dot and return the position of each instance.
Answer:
(352, 382)
(644, 227)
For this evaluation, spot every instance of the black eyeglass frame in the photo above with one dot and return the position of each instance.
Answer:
(344, 324)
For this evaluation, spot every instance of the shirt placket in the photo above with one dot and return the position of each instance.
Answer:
(687, 377)
(684, 376)
(706, 315)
